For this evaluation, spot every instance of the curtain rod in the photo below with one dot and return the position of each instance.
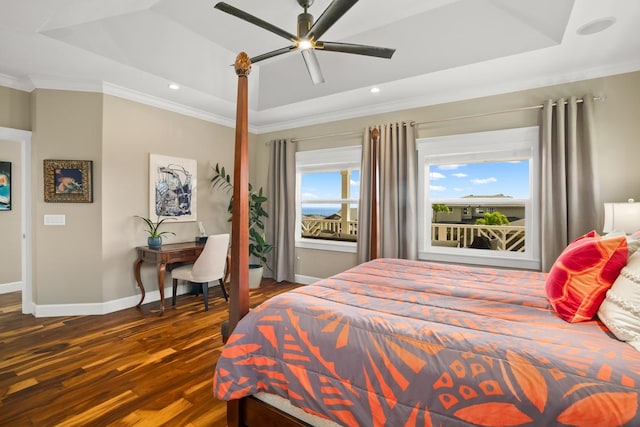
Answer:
(490, 113)
(309, 138)
(512, 110)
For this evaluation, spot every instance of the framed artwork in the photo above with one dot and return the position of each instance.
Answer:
(172, 188)
(68, 181)
(5, 186)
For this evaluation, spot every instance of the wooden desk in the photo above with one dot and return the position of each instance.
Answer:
(167, 254)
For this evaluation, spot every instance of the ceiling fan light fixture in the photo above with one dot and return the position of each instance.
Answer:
(304, 44)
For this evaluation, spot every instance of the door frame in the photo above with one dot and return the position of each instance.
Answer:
(23, 137)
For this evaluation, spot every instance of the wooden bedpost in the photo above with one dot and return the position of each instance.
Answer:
(239, 295)
(240, 222)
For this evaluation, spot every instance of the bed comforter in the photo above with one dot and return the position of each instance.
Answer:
(404, 343)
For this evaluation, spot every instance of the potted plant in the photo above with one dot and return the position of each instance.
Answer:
(155, 235)
(258, 246)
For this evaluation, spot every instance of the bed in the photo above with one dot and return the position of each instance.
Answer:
(396, 342)
(405, 343)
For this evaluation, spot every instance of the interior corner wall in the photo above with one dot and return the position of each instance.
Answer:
(15, 108)
(11, 221)
(67, 259)
(616, 126)
(132, 131)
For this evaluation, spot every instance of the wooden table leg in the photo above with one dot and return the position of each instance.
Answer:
(161, 269)
(136, 270)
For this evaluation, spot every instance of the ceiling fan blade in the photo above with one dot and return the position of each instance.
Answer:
(332, 13)
(272, 54)
(359, 49)
(313, 66)
(254, 20)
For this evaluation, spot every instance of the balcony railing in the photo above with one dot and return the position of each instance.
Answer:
(334, 229)
(504, 237)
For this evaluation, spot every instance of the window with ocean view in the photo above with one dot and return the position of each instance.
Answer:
(328, 186)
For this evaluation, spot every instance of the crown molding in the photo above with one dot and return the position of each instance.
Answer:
(16, 83)
(424, 100)
(142, 98)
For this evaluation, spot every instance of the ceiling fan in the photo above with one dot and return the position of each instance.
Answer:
(309, 33)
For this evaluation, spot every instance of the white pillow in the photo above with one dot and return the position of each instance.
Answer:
(620, 310)
(633, 244)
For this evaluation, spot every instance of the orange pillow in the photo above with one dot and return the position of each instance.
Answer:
(582, 274)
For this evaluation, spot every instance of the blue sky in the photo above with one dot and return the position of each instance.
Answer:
(454, 181)
(327, 185)
(447, 181)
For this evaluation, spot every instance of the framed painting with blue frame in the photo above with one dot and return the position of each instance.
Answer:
(68, 181)
(5, 186)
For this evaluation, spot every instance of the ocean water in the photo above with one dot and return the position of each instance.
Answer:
(320, 210)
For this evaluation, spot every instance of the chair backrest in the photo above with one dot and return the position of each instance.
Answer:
(210, 265)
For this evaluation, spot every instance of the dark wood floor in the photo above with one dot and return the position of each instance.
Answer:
(127, 368)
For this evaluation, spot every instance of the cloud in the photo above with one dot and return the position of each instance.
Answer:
(353, 182)
(436, 175)
(459, 175)
(484, 180)
(458, 189)
(437, 188)
(308, 196)
(449, 167)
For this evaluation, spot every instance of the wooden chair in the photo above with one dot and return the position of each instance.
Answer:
(211, 265)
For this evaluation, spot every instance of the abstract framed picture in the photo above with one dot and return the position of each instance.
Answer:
(5, 186)
(172, 188)
(68, 181)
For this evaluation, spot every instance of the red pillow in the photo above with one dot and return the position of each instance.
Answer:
(582, 274)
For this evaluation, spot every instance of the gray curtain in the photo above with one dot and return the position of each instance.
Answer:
(389, 166)
(570, 192)
(280, 227)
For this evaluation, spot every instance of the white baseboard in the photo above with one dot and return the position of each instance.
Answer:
(306, 280)
(89, 309)
(6, 288)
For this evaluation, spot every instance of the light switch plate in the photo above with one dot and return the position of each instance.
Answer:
(55, 219)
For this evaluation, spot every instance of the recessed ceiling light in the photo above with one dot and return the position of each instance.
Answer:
(174, 86)
(596, 26)
(374, 90)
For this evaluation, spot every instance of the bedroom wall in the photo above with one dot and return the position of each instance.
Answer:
(90, 259)
(617, 129)
(15, 108)
(131, 132)
(67, 258)
(11, 221)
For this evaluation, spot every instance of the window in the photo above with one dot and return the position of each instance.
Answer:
(478, 198)
(328, 188)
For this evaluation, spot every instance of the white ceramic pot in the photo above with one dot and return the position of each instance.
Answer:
(255, 275)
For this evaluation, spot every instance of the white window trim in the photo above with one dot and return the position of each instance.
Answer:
(499, 145)
(324, 160)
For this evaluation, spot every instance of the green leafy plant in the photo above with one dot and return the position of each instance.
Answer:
(153, 227)
(493, 218)
(258, 246)
(439, 207)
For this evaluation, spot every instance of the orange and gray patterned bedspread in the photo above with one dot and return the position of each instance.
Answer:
(404, 343)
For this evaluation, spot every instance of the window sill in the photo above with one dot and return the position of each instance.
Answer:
(487, 258)
(327, 245)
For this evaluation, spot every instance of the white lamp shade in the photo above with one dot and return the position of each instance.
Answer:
(621, 217)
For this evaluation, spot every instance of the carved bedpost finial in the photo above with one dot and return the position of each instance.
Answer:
(243, 65)
(375, 134)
